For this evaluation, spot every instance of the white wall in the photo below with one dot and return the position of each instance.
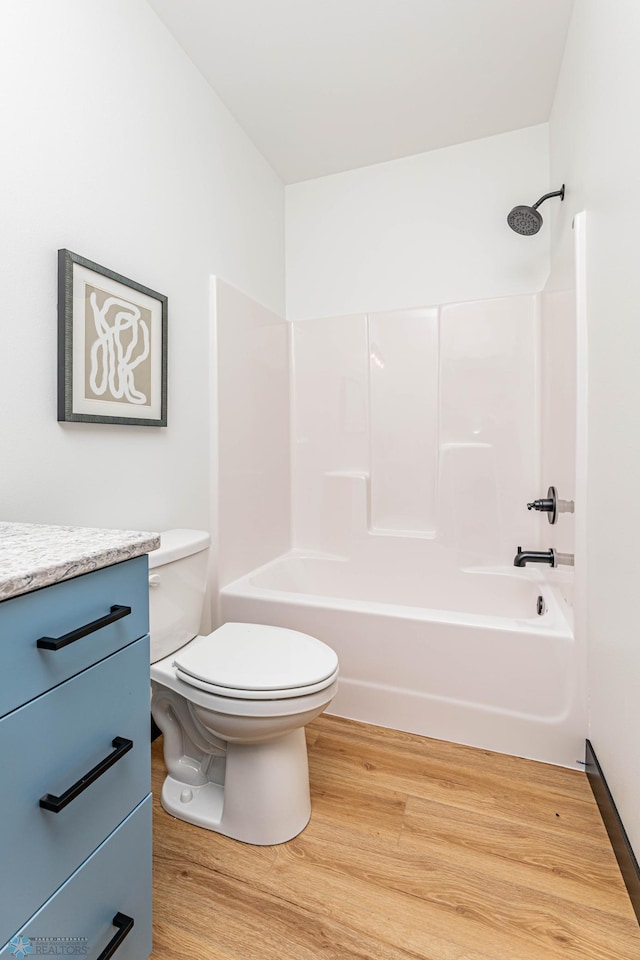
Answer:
(423, 230)
(116, 148)
(595, 150)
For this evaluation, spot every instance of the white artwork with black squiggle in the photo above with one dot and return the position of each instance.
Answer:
(120, 343)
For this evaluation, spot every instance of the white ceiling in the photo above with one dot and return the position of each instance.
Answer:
(323, 86)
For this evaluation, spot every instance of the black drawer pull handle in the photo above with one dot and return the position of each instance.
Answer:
(56, 643)
(125, 925)
(56, 804)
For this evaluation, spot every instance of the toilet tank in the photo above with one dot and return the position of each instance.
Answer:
(177, 584)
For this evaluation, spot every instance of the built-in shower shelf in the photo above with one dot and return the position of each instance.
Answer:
(348, 495)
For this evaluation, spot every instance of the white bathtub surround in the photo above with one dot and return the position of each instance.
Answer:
(403, 419)
(427, 647)
(418, 423)
(35, 555)
(415, 448)
(253, 506)
(563, 406)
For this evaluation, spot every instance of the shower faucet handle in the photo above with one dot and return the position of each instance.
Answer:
(548, 505)
(551, 505)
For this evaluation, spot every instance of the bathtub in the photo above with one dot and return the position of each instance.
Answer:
(429, 648)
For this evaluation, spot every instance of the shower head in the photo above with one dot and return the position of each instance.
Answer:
(526, 220)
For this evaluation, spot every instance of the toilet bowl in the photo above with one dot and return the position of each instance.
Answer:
(232, 706)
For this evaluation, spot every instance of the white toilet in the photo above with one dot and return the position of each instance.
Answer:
(232, 705)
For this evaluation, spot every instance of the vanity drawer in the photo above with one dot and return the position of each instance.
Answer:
(48, 746)
(115, 879)
(61, 609)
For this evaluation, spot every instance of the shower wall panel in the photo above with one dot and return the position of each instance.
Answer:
(489, 466)
(559, 406)
(419, 423)
(558, 422)
(403, 404)
(253, 441)
(330, 417)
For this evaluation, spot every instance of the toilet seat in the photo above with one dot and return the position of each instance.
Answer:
(249, 661)
(285, 693)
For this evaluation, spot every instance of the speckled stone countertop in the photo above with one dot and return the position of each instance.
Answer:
(34, 555)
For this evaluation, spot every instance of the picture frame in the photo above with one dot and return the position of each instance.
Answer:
(112, 346)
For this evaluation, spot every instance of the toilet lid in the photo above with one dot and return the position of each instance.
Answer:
(257, 660)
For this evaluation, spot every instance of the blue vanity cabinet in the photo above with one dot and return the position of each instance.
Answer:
(79, 919)
(56, 612)
(75, 831)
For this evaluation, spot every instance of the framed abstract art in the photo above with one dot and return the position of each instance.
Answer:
(112, 346)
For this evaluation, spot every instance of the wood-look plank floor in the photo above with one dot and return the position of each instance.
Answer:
(416, 850)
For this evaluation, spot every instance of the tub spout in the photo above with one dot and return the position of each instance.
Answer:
(523, 557)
